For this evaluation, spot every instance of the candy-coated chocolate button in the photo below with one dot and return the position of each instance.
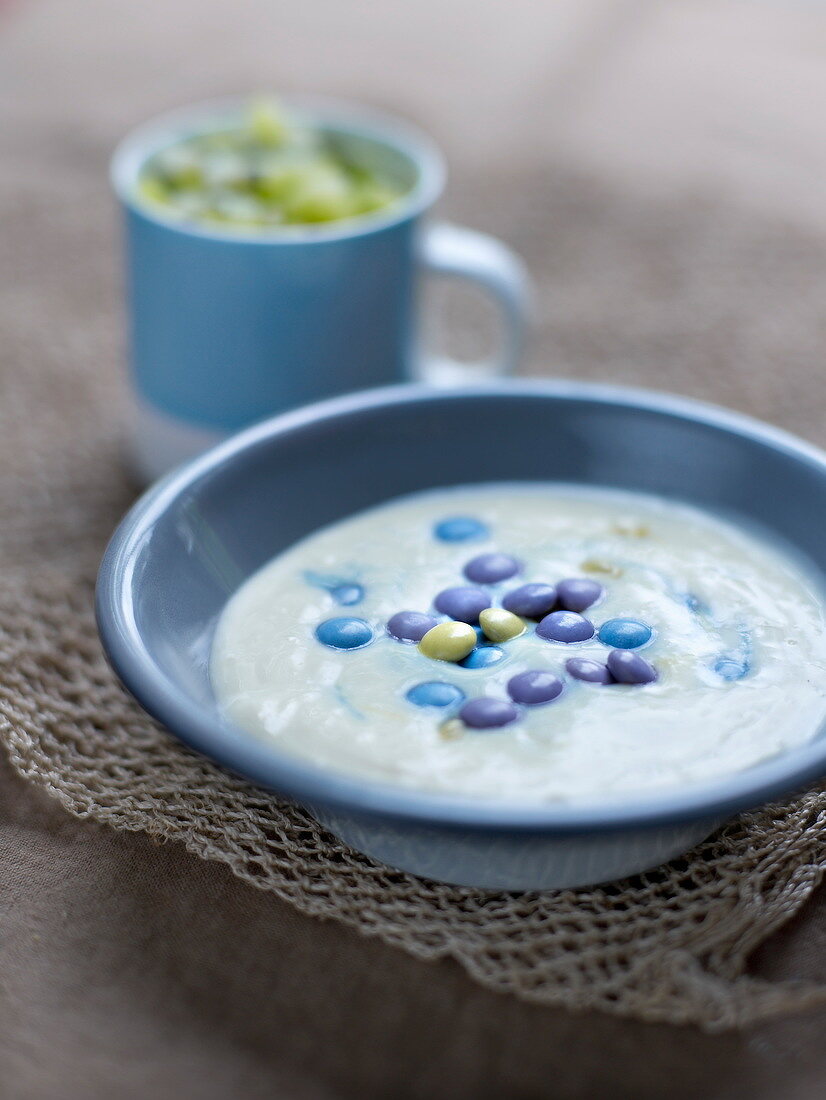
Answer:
(452, 730)
(592, 672)
(534, 601)
(483, 656)
(448, 642)
(462, 603)
(344, 633)
(491, 568)
(410, 626)
(347, 594)
(500, 625)
(460, 529)
(630, 668)
(694, 604)
(435, 693)
(565, 626)
(731, 668)
(486, 713)
(343, 591)
(625, 633)
(578, 593)
(535, 687)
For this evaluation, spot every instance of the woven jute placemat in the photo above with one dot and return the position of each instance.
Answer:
(672, 945)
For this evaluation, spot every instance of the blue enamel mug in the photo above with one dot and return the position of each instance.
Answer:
(229, 325)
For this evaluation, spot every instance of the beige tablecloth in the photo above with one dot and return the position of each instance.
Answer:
(670, 209)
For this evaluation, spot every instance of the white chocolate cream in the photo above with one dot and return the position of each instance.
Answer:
(711, 591)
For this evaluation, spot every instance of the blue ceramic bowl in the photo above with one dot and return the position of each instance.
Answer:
(190, 542)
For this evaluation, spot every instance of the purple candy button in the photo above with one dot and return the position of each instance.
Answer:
(565, 626)
(533, 601)
(534, 687)
(410, 626)
(491, 568)
(486, 713)
(462, 603)
(575, 594)
(629, 668)
(592, 672)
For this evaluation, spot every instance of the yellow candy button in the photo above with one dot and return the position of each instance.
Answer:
(448, 641)
(500, 625)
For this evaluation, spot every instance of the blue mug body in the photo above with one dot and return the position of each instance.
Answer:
(227, 326)
(227, 331)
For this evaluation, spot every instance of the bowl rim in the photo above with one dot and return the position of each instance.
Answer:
(204, 730)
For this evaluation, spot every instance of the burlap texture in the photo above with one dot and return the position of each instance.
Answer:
(670, 946)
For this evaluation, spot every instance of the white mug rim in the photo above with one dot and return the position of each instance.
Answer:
(338, 115)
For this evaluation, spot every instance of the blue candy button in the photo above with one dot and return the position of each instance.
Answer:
(625, 633)
(344, 592)
(347, 594)
(483, 656)
(434, 693)
(460, 529)
(344, 633)
(731, 668)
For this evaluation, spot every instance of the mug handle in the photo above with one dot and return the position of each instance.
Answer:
(453, 250)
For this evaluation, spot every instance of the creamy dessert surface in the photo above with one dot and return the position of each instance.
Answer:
(738, 647)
